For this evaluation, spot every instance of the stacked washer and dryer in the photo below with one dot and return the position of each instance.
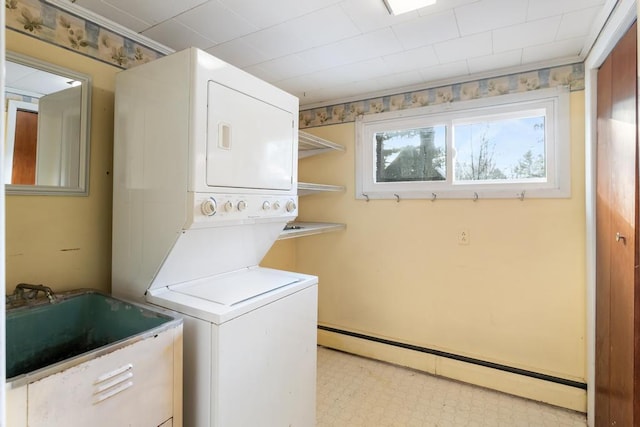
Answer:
(205, 179)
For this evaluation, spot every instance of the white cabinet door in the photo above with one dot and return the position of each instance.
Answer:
(132, 386)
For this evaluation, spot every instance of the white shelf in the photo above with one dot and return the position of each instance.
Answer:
(300, 229)
(305, 188)
(310, 145)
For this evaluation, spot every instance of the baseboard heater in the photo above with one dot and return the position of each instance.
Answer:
(460, 358)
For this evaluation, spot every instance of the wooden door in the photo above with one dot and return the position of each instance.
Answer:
(617, 256)
(24, 150)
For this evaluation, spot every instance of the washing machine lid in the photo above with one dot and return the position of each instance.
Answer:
(223, 297)
(237, 287)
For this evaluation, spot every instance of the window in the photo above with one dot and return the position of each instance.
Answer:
(508, 146)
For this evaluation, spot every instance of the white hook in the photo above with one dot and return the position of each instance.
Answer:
(475, 196)
(366, 196)
(521, 197)
(397, 198)
(434, 197)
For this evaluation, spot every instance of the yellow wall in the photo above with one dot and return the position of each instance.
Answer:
(515, 295)
(60, 241)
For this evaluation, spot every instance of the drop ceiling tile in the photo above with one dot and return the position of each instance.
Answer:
(177, 36)
(575, 24)
(545, 8)
(427, 30)
(328, 80)
(261, 73)
(314, 29)
(238, 53)
(307, 88)
(154, 11)
(399, 80)
(355, 72)
(313, 97)
(228, 25)
(366, 46)
(114, 14)
(299, 85)
(529, 34)
(495, 62)
(338, 93)
(364, 89)
(265, 14)
(464, 47)
(282, 68)
(490, 14)
(370, 15)
(569, 48)
(413, 59)
(444, 5)
(445, 72)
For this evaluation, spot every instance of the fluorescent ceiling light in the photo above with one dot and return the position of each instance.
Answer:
(396, 7)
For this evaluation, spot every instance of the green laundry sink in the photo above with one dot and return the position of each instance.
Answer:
(46, 337)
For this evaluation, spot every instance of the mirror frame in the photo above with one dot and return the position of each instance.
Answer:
(85, 119)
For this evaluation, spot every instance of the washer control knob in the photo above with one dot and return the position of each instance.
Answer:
(228, 206)
(266, 205)
(209, 207)
(242, 205)
(290, 206)
(276, 205)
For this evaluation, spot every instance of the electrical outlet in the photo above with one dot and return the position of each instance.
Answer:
(463, 236)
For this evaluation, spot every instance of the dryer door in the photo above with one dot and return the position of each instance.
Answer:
(250, 143)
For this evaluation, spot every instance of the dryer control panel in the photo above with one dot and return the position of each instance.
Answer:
(213, 209)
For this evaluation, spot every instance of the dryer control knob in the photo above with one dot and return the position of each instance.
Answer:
(228, 207)
(242, 205)
(276, 205)
(291, 206)
(209, 206)
(266, 205)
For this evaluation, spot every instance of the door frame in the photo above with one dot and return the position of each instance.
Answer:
(619, 22)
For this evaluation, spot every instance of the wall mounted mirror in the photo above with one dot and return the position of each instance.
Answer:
(47, 115)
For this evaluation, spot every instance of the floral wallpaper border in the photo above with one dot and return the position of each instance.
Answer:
(51, 24)
(567, 75)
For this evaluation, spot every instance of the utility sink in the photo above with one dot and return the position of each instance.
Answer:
(79, 323)
(84, 358)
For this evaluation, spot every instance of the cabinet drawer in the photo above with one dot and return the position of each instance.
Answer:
(131, 386)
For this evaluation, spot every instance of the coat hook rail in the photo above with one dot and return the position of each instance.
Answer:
(397, 198)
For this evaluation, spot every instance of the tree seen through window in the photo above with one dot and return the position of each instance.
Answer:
(411, 155)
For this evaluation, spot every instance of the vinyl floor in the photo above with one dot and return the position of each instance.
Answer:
(353, 391)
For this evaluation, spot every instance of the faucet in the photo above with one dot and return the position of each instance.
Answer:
(32, 292)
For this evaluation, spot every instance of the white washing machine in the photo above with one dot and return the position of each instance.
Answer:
(205, 179)
(251, 358)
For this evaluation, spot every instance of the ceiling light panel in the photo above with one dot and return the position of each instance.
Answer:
(397, 7)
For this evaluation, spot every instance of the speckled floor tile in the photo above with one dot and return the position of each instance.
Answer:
(355, 391)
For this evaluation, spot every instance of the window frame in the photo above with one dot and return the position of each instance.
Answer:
(555, 101)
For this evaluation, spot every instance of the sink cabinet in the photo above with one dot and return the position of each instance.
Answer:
(89, 359)
(132, 386)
